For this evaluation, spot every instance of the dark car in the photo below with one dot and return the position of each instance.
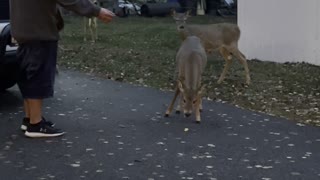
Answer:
(8, 49)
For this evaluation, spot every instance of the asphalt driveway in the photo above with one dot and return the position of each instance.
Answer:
(117, 131)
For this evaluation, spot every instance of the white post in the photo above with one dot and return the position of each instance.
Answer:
(280, 30)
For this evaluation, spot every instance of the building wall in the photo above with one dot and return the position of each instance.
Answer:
(280, 30)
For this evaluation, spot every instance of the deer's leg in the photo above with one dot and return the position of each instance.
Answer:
(96, 28)
(91, 26)
(85, 29)
(228, 58)
(169, 110)
(200, 105)
(180, 105)
(197, 108)
(243, 61)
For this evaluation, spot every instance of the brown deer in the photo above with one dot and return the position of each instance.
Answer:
(91, 23)
(191, 60)
(222, 36)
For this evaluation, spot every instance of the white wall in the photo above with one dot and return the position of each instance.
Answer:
(280, 30)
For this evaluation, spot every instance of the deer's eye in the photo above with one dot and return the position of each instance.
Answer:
(194, 101)
(184, 101)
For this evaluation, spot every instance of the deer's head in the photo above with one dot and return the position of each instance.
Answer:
(191, 97)
(180, 18)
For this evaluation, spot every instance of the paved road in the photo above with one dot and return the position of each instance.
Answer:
(116, 131)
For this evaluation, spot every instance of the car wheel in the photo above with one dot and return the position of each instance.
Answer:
(6, 85)
(8, 76)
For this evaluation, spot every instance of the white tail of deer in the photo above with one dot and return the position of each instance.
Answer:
(223, 37)
(191, 60)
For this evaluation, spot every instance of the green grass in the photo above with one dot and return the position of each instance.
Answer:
(142, 51)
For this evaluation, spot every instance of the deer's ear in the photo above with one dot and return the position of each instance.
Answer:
(181, 85)
(188, 12)
(202, 89)
(173, 12)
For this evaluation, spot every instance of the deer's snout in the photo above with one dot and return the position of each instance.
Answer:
(187, 114)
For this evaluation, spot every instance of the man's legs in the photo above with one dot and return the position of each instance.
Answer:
(36, 81)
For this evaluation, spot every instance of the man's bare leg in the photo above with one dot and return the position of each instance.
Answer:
(26, 109)
(39, 127)
(35, 110)
(26, 119)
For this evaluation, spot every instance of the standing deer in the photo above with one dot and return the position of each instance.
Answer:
(91, 23)
(191, 60)
(223, 37)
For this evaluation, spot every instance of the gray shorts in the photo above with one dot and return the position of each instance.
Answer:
(36, 76)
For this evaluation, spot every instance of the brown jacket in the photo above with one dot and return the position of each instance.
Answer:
(33, 20)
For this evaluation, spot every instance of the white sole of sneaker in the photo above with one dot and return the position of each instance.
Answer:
(23, 127)
(40, 135)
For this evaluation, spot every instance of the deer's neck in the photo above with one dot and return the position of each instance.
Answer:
(184, 31)
(191, 70)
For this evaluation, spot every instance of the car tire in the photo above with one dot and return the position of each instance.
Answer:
(8, 64)
(9, 76)
(6, 85)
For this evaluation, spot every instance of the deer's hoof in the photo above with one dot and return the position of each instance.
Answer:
(177, 112)
(166, 115)
(219, 81)
(198, 122)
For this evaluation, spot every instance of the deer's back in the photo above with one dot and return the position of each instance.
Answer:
(213, 35)
(191, 57)
(191, 45)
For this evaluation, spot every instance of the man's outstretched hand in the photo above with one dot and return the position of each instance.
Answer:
(105, 15)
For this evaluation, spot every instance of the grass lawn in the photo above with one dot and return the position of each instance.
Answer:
(142, 51)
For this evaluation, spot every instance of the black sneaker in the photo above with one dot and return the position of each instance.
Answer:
(42, 129)
(26, 122)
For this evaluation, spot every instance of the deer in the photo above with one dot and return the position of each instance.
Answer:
(223, 37)
(191, 60)
(91, 23)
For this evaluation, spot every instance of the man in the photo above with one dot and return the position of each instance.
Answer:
(35, 24)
